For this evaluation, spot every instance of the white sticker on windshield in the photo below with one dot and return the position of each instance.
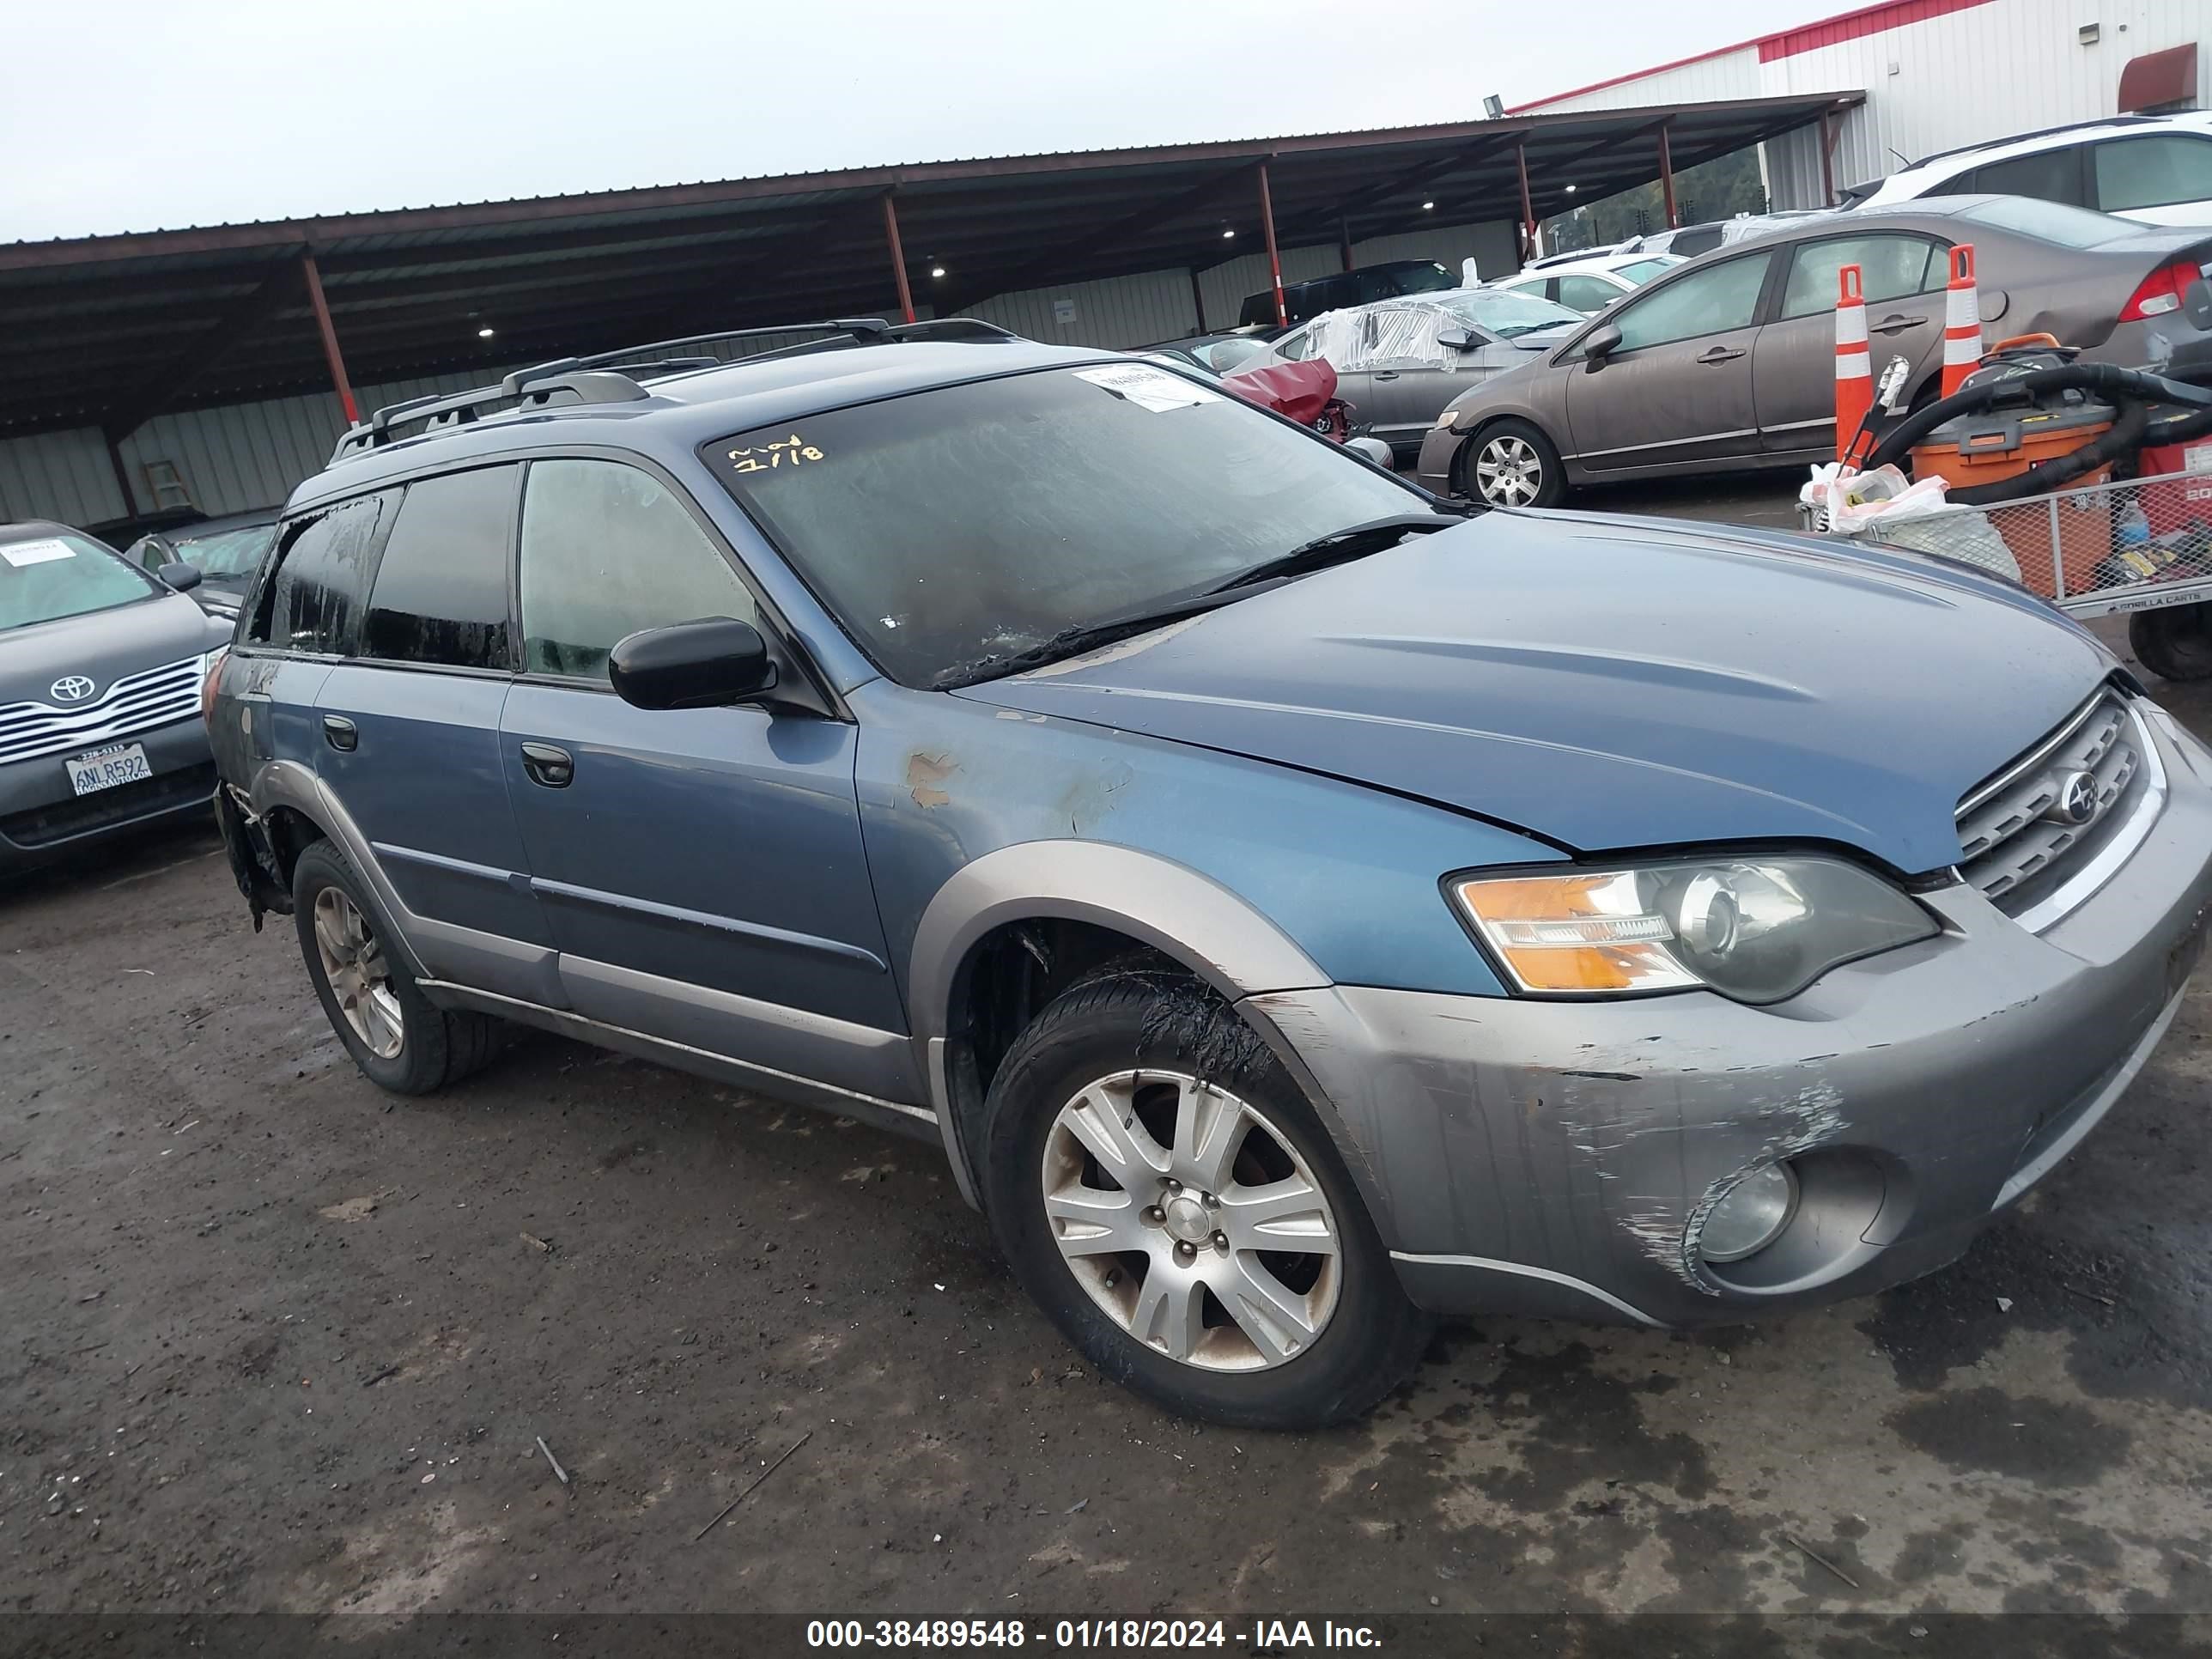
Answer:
(1149, 388)
(45, 551)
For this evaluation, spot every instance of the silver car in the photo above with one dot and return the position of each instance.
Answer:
(1398, 362)
(101, 670)
(1728, 362)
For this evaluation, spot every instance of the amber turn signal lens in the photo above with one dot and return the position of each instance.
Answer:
(1587, 932)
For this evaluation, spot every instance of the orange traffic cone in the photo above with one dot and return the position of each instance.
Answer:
(1962, 320)
(1854, 367)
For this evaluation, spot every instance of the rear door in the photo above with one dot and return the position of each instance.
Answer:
(407, 734)
(702, 868)
(1677, 391)
(1793, 363)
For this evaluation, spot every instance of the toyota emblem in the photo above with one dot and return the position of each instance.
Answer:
(72, 687)
(2076, 800)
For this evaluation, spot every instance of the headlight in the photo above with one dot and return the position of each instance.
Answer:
(1758, 930)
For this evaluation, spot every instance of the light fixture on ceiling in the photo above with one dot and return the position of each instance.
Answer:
(936, 271)
(1571, 189)
(1228, 235)
(1428, 207)
(483, 334)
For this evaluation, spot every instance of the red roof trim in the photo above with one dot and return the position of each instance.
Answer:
(1857, 25)
(1785, 43)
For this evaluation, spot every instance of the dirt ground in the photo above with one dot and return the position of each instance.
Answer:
(273, 1340)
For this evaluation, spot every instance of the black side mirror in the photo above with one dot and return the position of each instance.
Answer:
(1457, 339)
(1601, 343)
(178, 576)
(693, 665)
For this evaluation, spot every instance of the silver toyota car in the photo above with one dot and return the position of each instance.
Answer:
(101, 666)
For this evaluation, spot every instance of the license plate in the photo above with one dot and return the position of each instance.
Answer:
(106, 768)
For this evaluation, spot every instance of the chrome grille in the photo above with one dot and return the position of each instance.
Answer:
(2018, 842)
(136, 702)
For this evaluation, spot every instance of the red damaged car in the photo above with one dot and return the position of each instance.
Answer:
(1304, 392)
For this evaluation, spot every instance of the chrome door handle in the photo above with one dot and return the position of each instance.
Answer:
(1721, 354)
(340, 732)
(553, 768)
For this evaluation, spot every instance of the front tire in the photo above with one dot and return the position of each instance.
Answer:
(400, 1039)
(1165, 1194)
(2174, 643)
(1512, 464)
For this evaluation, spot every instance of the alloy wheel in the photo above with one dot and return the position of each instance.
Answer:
(1508, 472)
(360, 980)
(1191, 1220)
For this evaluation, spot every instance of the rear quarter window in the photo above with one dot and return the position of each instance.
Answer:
(310, 599)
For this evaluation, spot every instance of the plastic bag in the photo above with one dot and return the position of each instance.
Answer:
(1840, 499)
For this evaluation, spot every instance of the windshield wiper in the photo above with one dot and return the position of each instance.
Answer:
(1340, 546)
(1088, 636)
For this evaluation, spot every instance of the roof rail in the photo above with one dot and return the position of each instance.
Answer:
(2125, 120)
(611, 376)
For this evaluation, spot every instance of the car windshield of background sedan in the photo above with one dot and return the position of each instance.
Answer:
(47, 578)
(1507, 313)
(227, 552)
(975, 522)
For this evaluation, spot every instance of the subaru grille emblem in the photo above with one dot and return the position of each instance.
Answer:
(2076, 801)
(70, 687)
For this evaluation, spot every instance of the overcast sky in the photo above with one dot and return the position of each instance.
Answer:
(146, 114)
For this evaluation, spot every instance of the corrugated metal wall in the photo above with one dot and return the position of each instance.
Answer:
(64, 476)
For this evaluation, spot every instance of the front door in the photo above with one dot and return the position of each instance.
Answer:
(406, 734)
(1677, 391)
(1794, 364)
(702, 868)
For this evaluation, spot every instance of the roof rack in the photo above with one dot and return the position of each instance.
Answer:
(609, 377)
(2041, 132)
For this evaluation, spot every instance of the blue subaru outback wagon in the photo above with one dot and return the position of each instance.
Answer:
(1298, 910)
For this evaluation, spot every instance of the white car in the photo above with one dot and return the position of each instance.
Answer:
(1588, 285)
(2157, 168)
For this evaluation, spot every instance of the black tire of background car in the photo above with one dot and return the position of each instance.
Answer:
(1550, 487)
(437, 1047)
(2174, 643)
(1122, 1018)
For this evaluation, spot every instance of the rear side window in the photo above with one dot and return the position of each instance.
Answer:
(2050, 175)
(2161, 170)
(608, 550)
(441, 594)
(311, 598)
(1891, 267)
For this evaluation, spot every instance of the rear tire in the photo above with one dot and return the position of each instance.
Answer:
(2174, 643)
(1218, 1258)
(399, 1038)
(1512, 464)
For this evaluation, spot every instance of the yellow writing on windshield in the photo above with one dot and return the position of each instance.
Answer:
(762, 457)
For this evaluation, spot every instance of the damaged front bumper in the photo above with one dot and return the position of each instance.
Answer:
(1558, 1159)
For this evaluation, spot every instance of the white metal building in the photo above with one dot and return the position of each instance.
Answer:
(1937, 74)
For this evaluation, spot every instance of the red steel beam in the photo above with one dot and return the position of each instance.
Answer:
(1528, 208)
(329, 336)
(1274, 255)
(898, 257)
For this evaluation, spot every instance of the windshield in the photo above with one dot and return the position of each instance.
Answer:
(1644, 270)
(970, 523)
(2051, 221)
(1507, 313)
(49, 577)
(226, 552)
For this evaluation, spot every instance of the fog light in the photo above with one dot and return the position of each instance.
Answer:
(1751, 1216)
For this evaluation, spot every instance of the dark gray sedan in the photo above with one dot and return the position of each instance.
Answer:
(100, 668)
(226, 551)
(1728, 362)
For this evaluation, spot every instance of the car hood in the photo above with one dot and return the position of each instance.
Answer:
(104, 647)
(1609, 683)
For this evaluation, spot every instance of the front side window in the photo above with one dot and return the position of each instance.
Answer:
(1295, 347)
(225, 552)
(964, 524)
(607, 551)
(440, 592)
(1709, 302)
(2159, 170)
(310, 597)
(46, 578)
(1890, 267)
